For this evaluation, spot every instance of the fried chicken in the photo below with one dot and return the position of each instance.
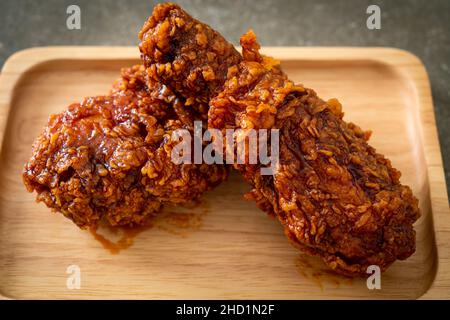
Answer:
(186, 55)
(109, 157)
(336, 197)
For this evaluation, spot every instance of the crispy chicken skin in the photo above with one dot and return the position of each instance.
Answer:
(336, 197)
(110, 156)
(186, 55)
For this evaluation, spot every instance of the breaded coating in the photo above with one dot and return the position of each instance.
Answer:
(188, 56)
(110, 156)
(336, 197)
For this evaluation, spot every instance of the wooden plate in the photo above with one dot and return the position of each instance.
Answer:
(226, 247)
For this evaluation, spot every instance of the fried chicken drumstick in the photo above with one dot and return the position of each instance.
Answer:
(336, 197)
(110, 156)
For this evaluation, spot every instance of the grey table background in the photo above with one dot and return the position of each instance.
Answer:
(422, 27)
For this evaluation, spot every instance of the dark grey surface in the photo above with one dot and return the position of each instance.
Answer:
(422, 27)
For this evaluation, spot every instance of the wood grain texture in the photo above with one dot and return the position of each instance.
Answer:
(225, 248)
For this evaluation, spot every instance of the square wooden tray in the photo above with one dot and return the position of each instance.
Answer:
(226, 248)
